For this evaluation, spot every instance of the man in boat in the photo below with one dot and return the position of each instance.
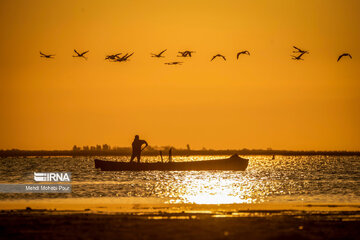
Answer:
(136, 148)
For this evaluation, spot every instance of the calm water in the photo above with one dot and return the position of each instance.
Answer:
(285, 179)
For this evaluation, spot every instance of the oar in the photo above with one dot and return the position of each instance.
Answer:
(143, 148)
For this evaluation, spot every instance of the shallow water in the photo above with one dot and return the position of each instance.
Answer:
(285, 179)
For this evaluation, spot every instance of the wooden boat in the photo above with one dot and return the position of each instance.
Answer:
(235, 163)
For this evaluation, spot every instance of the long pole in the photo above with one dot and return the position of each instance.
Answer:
(170, 155)
(162, 160)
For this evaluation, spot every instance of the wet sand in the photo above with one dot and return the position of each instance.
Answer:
(30, 224)
(99, 219)
(154, 205)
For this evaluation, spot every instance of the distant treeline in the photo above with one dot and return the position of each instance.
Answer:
(178, 152)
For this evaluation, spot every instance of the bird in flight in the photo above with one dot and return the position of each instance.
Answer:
(182, 54)
(186, 53)
(80, 54)
(298, 57)
(242, 52)
(218, 55)
(343, 55)
(173, 63)
(158, 55)
(112, 57)
(46, 55)
(298, 50)
(124, 58)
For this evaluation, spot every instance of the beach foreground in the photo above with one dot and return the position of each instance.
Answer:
(142, 221)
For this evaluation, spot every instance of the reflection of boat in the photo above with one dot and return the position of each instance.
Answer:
(233, 163)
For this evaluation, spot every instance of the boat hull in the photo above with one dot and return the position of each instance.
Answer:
(233, 163)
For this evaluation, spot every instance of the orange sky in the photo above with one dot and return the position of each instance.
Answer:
(265, 100)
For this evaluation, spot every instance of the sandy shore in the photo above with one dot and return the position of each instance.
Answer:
(153, 205)
(99, 219)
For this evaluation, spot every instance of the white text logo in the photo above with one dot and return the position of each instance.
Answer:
(52, 177)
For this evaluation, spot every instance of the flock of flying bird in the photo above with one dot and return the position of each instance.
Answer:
(302, 52)
(118, 58)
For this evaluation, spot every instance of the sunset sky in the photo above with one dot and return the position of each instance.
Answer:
(259, 101)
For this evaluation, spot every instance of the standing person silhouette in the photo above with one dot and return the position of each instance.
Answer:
(136, 148)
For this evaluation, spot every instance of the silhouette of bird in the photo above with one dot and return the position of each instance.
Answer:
(46, 55)
(174, 63)
(298, 57)
(242, 52)
(123, 58)
(186, 53)
(298, 50)
(80, 54)
(218, 55)
(343, 55)
(158, 55)
(112, 57)
(183, 54)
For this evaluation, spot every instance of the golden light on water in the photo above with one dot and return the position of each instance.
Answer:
(214, 190)
(255, 185)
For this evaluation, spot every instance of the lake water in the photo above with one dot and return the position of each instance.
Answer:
(286, 179)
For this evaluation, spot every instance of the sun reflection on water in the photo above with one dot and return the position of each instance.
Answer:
(212, 188)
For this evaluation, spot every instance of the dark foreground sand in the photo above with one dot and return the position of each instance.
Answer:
(253, 224)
